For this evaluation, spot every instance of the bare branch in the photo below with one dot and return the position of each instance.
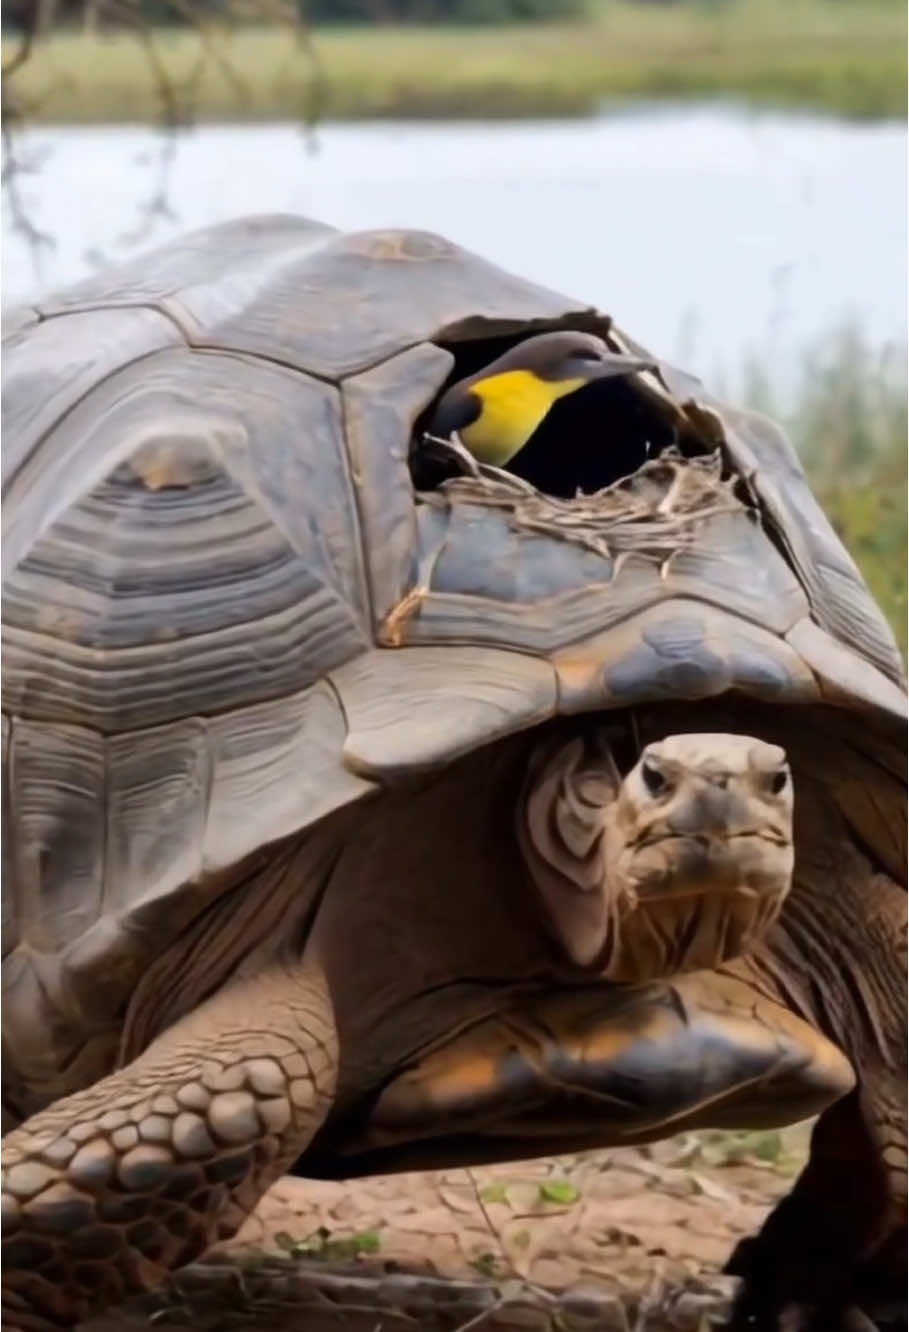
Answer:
(18, 216)
(176, 95)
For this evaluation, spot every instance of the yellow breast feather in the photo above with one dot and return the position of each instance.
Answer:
(513, 405)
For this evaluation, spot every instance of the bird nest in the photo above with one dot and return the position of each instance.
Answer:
(655, 513)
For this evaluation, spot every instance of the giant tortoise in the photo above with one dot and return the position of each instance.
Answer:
(355, 824)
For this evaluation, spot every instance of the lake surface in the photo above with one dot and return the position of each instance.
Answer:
(708, 233)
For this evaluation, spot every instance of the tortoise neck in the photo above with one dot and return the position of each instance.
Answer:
(816, 956)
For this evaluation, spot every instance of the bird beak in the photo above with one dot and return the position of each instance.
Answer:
(611, 366)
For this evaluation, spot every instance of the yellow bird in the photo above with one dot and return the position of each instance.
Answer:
(495, 411)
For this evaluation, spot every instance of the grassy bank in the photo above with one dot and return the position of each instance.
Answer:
(818, 54)
(849, 423)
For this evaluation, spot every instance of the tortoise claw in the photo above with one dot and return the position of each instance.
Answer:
(794, 1318)
(802, 1295)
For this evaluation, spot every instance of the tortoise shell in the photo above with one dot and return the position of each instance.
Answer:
(228, 613)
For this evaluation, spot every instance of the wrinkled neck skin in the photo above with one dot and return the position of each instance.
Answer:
(565, 818)
(837, 957)
(832, 948)
(836, 954)
(678, 866)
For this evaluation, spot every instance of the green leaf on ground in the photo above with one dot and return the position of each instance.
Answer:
(321, 1245)
(559, 1191)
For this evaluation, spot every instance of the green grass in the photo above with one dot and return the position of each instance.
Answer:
(820, 54)
(849, 423)
(330, 1248)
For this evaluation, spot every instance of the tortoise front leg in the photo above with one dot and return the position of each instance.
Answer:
(815, 1262)
(107, 1190)
(599, 1066)
(839, 1238)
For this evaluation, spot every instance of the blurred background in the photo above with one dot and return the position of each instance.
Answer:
(727, 178)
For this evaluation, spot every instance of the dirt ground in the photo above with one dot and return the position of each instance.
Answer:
(630, 1240)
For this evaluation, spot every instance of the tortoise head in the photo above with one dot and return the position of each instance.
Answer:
(679, 865)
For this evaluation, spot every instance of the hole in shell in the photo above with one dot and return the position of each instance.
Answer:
(588, 440)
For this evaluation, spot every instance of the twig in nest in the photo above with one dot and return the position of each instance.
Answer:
(653, 514)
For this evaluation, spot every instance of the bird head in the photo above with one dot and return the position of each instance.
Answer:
(496, 410)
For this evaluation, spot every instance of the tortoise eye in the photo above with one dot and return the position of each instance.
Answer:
(778, 781)
(653, 779)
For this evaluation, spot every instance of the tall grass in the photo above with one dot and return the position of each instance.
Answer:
(848, 420)
(840, 57)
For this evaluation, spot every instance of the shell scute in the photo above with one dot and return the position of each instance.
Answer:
(236, 578)
(227, 615)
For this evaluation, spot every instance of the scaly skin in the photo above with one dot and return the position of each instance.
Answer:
(839, 1239)
(810, 1259)
(583, 1059)
(107, 1190)
(101, 1211)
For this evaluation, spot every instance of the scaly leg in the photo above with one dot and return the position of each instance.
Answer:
(107, 1190)
(597, 1066)
(837, 1243)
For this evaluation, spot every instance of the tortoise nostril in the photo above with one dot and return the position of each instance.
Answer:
(655, 781)
(778, 781)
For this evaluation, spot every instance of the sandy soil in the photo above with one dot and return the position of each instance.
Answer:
(630, 1240)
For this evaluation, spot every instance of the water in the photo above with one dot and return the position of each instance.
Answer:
(709, 233)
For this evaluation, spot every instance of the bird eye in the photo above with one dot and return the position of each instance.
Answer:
(778, 781)
(652, 778)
